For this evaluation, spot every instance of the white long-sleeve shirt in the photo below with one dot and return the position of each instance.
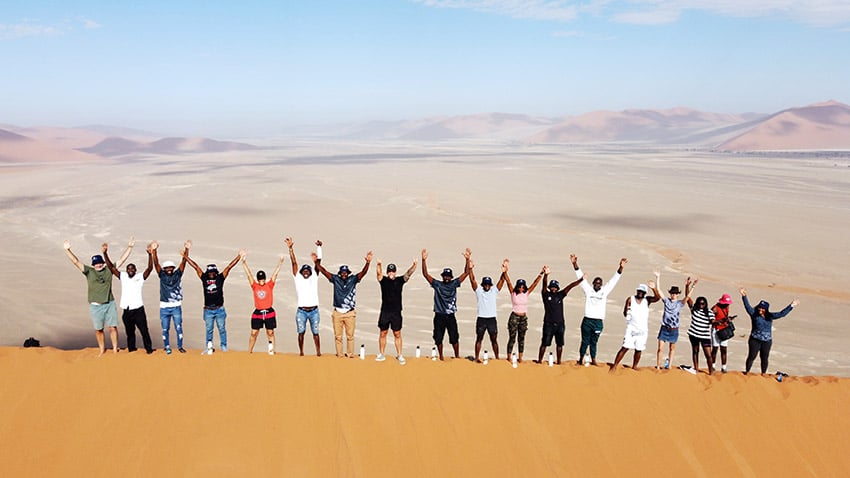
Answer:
(594, 305)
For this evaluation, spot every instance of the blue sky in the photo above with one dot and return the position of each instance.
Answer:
(217, 68)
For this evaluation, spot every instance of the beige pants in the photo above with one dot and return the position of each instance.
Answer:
(346, 321)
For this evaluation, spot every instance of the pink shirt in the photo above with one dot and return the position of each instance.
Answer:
(520, 303)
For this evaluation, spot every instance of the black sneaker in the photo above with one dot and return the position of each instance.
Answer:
(181, 350)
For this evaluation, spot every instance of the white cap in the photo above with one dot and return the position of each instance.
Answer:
(168, 264)
(643, 288)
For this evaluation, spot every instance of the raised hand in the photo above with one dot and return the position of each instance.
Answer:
(66, 245)
(742, 291)
(131, 242)
(424, 254)
(314, 256)
(505, 264)
(467, 253)
(369, 256)
(288, 242)
(471, 264)
(574, 260)
(187, 245)
(104, 247)
(546, 270)
(154, 245)
(656, 272)
(651, 284)
(795, 302)
(242, 254)
(282, 257)
(623, 262)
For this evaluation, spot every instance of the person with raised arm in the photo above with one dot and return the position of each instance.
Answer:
(307, 294)
(344, 316)
(171, 295)
(554, 325)
(594, 308)
(486, 320)
(699, 330)
(99, 295)
(445, 303)
(214, 312)
(669, 331)
(636, 312)
(131, 303)
(264, 314)
(518, 320)
(761, 335)
(390, 316)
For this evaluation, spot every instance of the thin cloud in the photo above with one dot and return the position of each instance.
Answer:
(818, 13)
(528, 10)
(31, 28)
(27, 29)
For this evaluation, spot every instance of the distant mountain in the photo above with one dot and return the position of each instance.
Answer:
(10, 136)
(111, 147)
(671, 126)
(17, 148)
(821, 126)
(487, 125)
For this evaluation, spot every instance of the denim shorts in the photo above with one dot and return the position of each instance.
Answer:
(669, 335)
(301, 318)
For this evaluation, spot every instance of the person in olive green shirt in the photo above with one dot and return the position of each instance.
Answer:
(100, 298)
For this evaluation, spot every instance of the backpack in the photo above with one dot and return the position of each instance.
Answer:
(31, 342)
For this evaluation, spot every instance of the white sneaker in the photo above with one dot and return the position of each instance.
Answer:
(380, 358)
(401, 360)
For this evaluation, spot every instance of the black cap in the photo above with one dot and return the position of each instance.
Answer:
(261, 275)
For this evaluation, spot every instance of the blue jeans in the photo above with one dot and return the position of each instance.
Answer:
(216, 317)
(166, 314)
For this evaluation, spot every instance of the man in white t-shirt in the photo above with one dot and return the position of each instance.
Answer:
(486, 320)
(636, 312)
(307, 293)
(132, 307)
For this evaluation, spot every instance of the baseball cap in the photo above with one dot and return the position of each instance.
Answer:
(305, 267)
(447, 272)
(521, 282)
(391, 268)
(643, 288)
(168, 264)
(487, 281)
(554, 283)
(763, 304)
(97, 259)
(261, 275)
(344, 268)
(726, 299)
(212, 268)
(674, 290)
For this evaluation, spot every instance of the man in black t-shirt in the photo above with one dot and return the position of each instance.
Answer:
(553, 315)
(391, 287)
(214, 312)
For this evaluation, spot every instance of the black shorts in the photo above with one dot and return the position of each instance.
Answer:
(698, 341)
(389, 320)
(555, 330)
(264, 318)
(443, 323)
(487, 324)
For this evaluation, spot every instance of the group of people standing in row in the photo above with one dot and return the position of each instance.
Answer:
(710, 327)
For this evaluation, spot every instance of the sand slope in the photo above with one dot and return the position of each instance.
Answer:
(70, 413)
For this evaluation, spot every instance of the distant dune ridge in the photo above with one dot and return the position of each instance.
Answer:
(820, 126)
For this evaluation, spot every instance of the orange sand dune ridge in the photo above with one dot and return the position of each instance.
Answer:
(69, 413)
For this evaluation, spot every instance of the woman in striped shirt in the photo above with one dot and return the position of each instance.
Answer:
(699, 332)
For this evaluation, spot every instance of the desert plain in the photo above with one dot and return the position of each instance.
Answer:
(775, 224)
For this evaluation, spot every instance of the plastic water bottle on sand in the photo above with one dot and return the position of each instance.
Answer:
(513, 360)
(434, 353)
(586, 360)
(551, 360)
(362, 352)
(209, 348)
(486, 357)
(418, 352)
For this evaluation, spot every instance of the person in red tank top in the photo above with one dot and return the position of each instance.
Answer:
(263, 315)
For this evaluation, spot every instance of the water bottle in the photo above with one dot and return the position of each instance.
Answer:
(486, 357)
(586, 360)
(551, 360)
(513, 360)
(362, 352)
(209, 348)
(418, 352)
(667, 363)
(434, 353)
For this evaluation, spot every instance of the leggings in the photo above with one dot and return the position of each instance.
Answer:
(517, 327)
(760, 348)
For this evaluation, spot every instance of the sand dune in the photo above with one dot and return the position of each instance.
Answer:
(240, 414)
(821, 126)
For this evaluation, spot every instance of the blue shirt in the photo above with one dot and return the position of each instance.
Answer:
(445, 296)
(763, 326)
